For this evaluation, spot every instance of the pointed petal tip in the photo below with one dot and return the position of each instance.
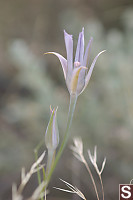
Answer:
(51, 109)
(102, 51)
(45, 53)
(48, 53)
(81, 34)
(54, 53)
(67, 34)
(82, 31)
(100, 54)
(90, 41)
(54, 110)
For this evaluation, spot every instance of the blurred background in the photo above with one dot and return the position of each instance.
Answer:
(30, 82)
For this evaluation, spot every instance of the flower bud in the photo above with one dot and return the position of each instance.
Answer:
(52, 133)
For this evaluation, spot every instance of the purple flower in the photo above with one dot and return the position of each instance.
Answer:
(76, 75)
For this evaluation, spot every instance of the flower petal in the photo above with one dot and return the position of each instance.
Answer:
(91, 70)
(80, 48)
(74, 79)
(86, 56)
(69, 49)
(55, 136)
(62, 60)
(81, 80)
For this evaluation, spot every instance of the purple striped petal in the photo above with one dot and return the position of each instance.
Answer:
(86, 56)
(62, 60)
(55, 135)
(81, 80)
(80, 48)
(69, 50)
(91, 70)
(75, 79)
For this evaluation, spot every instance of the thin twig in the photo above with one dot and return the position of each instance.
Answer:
(88, 169)
(101, 185)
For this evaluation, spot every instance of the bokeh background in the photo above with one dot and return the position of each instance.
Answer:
(30, 82)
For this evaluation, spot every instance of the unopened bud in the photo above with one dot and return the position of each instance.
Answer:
(52, 133)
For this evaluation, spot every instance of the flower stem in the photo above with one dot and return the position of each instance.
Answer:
(38, 171)
(73, 100)
(50, 160)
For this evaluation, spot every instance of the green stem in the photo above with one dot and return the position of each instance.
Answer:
(38, 171)
(36, 157)
(73, 100)
(50, 160)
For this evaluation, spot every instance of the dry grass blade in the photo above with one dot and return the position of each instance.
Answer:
(78, 145)
(73, 189)
(78, 153)
(25, 177)
(15, 195)
(38, 192)
(61, 189)
(68, 185)
(39, 160)
(77, 156)
(103, 165)
(93, 160)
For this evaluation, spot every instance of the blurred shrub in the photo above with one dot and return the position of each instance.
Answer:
(104, 113)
